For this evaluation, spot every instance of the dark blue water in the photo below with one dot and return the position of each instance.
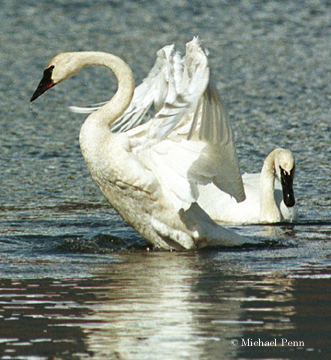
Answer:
(76, 282)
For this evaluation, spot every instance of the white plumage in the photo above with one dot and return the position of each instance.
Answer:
(149, 168)
(269, 194)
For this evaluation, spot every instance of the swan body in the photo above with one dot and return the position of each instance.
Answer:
(149, 168)
(269, 194)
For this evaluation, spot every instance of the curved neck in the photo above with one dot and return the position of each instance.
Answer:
(95, 133)
(113, 109)
(268, 208)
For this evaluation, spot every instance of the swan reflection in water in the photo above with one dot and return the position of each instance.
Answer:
(163, 306)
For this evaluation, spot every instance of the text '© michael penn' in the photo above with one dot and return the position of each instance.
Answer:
(273, 342)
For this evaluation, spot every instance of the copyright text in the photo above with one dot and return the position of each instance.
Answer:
(273, 342)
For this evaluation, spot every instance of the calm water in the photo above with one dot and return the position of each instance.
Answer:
(75, 281)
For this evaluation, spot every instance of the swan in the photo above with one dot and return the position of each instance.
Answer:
(148, 167)
(269, 194)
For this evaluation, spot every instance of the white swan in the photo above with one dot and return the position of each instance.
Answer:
(269, 194)
(148, 169)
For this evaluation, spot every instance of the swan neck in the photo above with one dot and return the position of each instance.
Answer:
(268, 172)
(108, 113)
(95, 133)
(268, 207)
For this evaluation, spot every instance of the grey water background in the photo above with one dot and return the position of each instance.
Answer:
(76, 282)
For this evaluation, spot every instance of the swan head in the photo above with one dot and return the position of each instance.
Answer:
(60, 68)
(285, 170)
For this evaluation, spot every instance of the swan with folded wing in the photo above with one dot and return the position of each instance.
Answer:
(149, 168)
(269, 194)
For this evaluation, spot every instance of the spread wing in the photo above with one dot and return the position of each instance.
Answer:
(153, 91)
(189, 141)
(218, 161)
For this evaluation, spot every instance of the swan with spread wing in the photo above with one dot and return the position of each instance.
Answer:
(149, 168)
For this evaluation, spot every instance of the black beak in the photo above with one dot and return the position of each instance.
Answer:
(287, 185)
(45, 83)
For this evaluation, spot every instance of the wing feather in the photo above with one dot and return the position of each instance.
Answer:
(196, 128)
(218, 162)
(184, 99)
(153, 91)
(189, 140)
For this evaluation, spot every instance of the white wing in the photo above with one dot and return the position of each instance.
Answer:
(218, 162)
(189, 140)
(153, 90)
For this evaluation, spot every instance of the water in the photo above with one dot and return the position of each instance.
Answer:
(76, 282)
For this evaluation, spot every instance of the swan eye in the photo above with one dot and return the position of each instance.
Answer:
(48, 73)
(287, 174)
(286, 178)
(284, 173)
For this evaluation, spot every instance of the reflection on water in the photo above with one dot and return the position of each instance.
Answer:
(42, 317)
(168, 306)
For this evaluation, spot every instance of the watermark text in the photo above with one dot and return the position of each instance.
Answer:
(272, 342)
